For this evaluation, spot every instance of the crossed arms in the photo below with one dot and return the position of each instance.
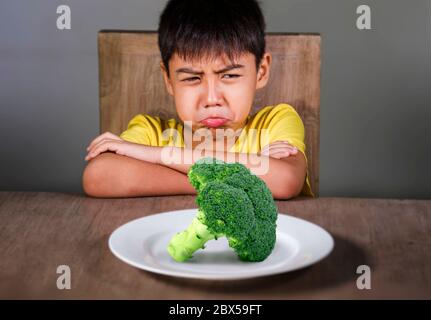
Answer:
(118, 168)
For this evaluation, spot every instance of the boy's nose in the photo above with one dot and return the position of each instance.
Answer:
(213, 93)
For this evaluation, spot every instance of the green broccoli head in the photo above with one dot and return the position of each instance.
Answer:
(233, 203)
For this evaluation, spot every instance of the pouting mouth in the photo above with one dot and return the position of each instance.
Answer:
(214, 122)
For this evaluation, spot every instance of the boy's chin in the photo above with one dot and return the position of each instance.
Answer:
(225, 130)
(217, 131)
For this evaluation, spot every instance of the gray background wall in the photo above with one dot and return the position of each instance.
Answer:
(375, 94)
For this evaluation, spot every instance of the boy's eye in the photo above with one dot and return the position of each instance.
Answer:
(231, 76)
(190, 79)
(225, 76)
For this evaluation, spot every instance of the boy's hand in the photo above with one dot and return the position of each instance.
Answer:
(278, 150)
(110, 142)
(106, 135)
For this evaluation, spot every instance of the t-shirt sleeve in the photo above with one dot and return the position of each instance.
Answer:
(141, 129)
(284, 124)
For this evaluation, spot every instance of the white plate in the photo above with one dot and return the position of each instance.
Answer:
(142, 243)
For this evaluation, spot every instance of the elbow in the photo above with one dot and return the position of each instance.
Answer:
(287, 189)
(106, 177)
(283, 195)
(92, 179)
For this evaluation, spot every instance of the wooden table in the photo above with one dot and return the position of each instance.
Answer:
(40, 231)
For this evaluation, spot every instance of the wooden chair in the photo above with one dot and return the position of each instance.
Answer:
(131, 83)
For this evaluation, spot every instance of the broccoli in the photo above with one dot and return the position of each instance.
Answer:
(234, 203)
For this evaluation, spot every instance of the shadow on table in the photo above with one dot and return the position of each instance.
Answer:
(337, 268)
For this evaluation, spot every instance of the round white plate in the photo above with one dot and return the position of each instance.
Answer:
(142, 243)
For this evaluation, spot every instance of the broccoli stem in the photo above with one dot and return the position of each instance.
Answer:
(185, 243)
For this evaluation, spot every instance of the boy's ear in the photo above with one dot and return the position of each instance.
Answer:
(263, 71)
(166, 79)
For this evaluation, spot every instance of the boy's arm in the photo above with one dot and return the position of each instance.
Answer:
(110, 175)
(284, 177)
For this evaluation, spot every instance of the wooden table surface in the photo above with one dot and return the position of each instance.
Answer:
(40, 231)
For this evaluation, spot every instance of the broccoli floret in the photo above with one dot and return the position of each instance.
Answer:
(234, 203)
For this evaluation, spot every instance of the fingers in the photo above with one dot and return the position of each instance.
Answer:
(98, 139)
(278, 145)
(279, 149)
(279, 153)
(105, 145)
(102, 146)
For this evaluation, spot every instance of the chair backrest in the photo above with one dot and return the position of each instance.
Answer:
(131, 83)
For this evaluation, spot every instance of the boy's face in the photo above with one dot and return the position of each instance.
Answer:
(215, 93)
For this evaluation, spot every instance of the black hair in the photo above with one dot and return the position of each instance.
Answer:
(209, 28)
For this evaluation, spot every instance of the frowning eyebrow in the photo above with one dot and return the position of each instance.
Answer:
(225, 69)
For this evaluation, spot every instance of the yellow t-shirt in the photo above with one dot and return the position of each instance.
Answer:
(269, 124)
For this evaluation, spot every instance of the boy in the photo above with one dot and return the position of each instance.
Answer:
(213, 61)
